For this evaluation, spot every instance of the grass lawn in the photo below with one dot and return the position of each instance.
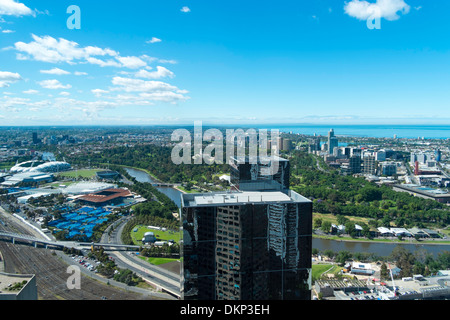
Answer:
(193, 190)
(319, 269)
(85, 173)
(333, 219)
(160, 235)
(158, 261)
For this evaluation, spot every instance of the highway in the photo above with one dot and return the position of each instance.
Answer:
(155, 275)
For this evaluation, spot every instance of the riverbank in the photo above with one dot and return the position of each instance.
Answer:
(154, 178)
(388, 241)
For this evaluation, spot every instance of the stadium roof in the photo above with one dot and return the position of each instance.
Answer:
(39, 166)
(87, 187)
(105, 196)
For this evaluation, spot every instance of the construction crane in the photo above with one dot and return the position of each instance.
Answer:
(393, 282)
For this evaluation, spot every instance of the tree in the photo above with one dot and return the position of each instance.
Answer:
(326, 226)
(317, 223)
(329, 253)
(342, 220)
(343, 256)
(351, 229)
(405, 260)
(370, 194)
(384, 273)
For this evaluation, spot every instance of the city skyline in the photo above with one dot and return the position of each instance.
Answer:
(176, 63)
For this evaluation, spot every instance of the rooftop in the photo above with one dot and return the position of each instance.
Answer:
(8, 281)
(257, 159)
(423, 190)
(87, 187)
(239, 198)
(105, 195)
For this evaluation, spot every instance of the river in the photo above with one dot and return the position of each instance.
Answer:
(377, 248)
(143, 176)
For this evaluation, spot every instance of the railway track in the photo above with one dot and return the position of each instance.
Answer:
(51, 271)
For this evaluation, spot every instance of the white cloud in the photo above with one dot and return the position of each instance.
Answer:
(13, 8)
(154, 40)
(55, 71)
(48, 49)
(137, 85)
(31, 91)
(185, 9)
(132, 62)
(147, 91)
(102, 63)
(387, 9)
(99, 92)
(8, 31)
(159, 74)
(53, 84)
(78, 73)
(64, 93)
(51, 50)
(6, 78)
(167, 96)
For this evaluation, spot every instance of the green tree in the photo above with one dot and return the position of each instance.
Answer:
(326, 226)
(342, 257)
(317, 223)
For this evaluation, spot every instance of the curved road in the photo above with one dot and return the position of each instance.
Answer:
(155, 275)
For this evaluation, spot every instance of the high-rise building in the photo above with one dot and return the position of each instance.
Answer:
(389, 169)
(247, 244)
(380, 155)
(422, 158)
(438, 154)
(369, 165)
(35, 138)
(333, 142)
(355, 164)
(287, 145)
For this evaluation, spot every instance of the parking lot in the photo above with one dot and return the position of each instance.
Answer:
(89, 264)
(357, 295)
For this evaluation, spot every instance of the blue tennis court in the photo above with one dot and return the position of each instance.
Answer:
(80, 222)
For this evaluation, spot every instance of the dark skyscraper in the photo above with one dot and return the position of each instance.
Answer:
(438, 154)
(35, 138)
(247, 245)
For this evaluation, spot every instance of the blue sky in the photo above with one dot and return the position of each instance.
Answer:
(233, 62)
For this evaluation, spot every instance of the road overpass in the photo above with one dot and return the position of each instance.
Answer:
(24, 239)
(29, 240)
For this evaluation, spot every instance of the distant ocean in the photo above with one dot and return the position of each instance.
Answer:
(375, 131)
